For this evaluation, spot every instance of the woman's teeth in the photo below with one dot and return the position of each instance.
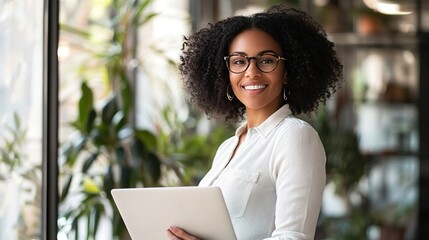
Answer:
(254, 87)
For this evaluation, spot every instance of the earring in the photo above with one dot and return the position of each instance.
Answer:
(284, 86)
(227, 93)
(284, 92)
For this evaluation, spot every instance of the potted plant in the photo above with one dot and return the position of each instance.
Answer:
(107, 150)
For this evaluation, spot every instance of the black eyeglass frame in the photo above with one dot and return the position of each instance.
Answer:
(226, 58)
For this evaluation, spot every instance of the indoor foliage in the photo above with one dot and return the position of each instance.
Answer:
(108, 151)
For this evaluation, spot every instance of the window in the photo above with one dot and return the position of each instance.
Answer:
(21, 94)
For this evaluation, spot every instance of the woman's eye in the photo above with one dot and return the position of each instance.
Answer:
(239, 61)
(266, 61)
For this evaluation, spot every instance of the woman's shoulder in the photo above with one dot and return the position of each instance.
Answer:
(293, 131)
(292, 123)
(226, 142)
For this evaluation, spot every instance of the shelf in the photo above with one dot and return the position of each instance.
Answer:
(382, 40)
(389, 153)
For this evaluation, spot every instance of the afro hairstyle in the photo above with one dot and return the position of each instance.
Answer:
(313, 69)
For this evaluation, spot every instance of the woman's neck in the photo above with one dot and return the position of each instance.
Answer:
(257, 116)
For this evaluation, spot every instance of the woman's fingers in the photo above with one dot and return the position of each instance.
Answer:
(171, 235)
(175, 233)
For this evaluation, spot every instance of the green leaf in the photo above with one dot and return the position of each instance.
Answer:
(88, 162)
(126, 94)
(17, 121)
(87, 202)
(66, 188)
(73, 149)
(147, 18)
(119, 121)
(97, 211)
(89, 186)
(109, 109)
(88, 225)
(141, 7)
(91, 121)
(102, 137)
(75, 31)
(75, 227)
(108, 181)
(118, 224)
(147, 138)
(86, 107)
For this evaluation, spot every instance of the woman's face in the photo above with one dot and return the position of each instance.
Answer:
(256, 89)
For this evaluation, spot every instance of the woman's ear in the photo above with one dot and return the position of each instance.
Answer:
(285, 78)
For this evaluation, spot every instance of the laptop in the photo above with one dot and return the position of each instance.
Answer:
(149, 212)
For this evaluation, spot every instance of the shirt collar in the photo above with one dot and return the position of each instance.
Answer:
(270, 123)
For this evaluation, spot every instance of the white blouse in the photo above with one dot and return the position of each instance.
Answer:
(274, 183)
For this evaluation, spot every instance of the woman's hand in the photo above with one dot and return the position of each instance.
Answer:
(175, 233)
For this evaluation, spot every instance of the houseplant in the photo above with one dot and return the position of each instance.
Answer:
(20, 186)
(107, 150)
(345, 168)
(189, 146)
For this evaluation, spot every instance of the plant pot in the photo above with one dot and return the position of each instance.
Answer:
(391, 232)
(367, 24)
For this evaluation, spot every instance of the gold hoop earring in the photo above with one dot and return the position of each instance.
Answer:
(227, 93)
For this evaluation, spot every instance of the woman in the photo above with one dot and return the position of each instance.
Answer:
(264, 68)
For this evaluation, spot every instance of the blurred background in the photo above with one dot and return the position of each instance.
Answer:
(122, 120)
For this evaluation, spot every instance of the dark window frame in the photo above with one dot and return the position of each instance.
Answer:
(50, 120)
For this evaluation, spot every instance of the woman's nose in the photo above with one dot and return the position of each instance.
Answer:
(253, 69)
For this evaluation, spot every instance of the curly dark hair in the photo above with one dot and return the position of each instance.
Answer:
(313, 70)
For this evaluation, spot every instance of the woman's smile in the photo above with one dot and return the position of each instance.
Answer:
(254, 87)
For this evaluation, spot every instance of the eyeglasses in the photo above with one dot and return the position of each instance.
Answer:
(266, 62)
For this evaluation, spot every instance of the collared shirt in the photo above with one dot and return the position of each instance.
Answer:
(274, 183)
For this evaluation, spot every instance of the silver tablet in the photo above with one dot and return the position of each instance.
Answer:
(149, 212)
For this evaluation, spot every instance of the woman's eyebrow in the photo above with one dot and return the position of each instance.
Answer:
(259, 54)
(239, 53)
(267, 51)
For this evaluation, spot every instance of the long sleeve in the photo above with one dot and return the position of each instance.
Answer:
(298, 171)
